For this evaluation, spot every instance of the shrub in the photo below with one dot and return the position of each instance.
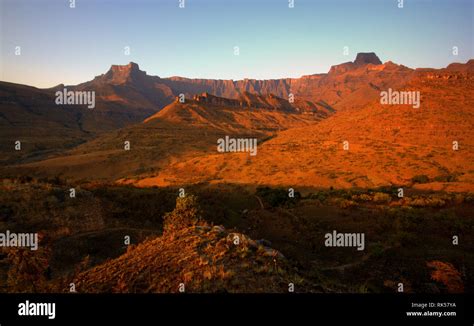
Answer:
(446, 274)
(421, 178)
(469, 198)
(186, 213)
(320, 195)
(344, 203)
(380, 197)
(426, 202)
(29, 270)
(362, 197)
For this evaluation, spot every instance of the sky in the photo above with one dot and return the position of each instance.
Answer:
(67, 45)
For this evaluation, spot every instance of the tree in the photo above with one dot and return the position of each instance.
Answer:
(186, 213)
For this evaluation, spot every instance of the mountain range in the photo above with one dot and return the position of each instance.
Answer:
(327, 137)
(155, 114)
(127, 95)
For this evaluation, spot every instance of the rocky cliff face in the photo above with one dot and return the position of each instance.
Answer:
(133, 86)
(229, 88)
(130, 86)
(247, 100)
(354, 83)
(362, 59)
(121, 74)
(206, 98)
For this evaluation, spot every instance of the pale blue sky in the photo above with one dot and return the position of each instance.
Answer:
(64, 45)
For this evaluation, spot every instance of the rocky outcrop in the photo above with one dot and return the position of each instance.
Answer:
(121, 74)
(246, 100)
(198, 259)
(362, 59)
(206, 98)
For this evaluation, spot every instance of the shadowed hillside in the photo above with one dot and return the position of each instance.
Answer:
(179, 131)
(210, 248)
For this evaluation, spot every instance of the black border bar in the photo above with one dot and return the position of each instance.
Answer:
(390, 307)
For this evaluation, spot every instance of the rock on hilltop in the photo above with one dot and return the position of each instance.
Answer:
(191, 252)
(362, 59)
(366, 58)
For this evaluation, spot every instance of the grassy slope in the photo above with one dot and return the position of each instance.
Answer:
(387, 145)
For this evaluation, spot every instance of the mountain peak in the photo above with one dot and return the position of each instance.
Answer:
(133, 66)
(362, 59)
(130, 67)
(366, 58)
(122, 73)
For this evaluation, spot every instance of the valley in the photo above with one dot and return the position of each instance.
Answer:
(400, 177)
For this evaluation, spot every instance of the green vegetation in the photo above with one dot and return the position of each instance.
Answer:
(403, 232)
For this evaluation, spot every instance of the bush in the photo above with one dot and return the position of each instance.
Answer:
(426, 202)
(29, 270)
(362, 197)
(320, 195)
(422, 178)
(380, 197)
(469, 198)
(344, 203)
(186, 213)
(446, 274)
